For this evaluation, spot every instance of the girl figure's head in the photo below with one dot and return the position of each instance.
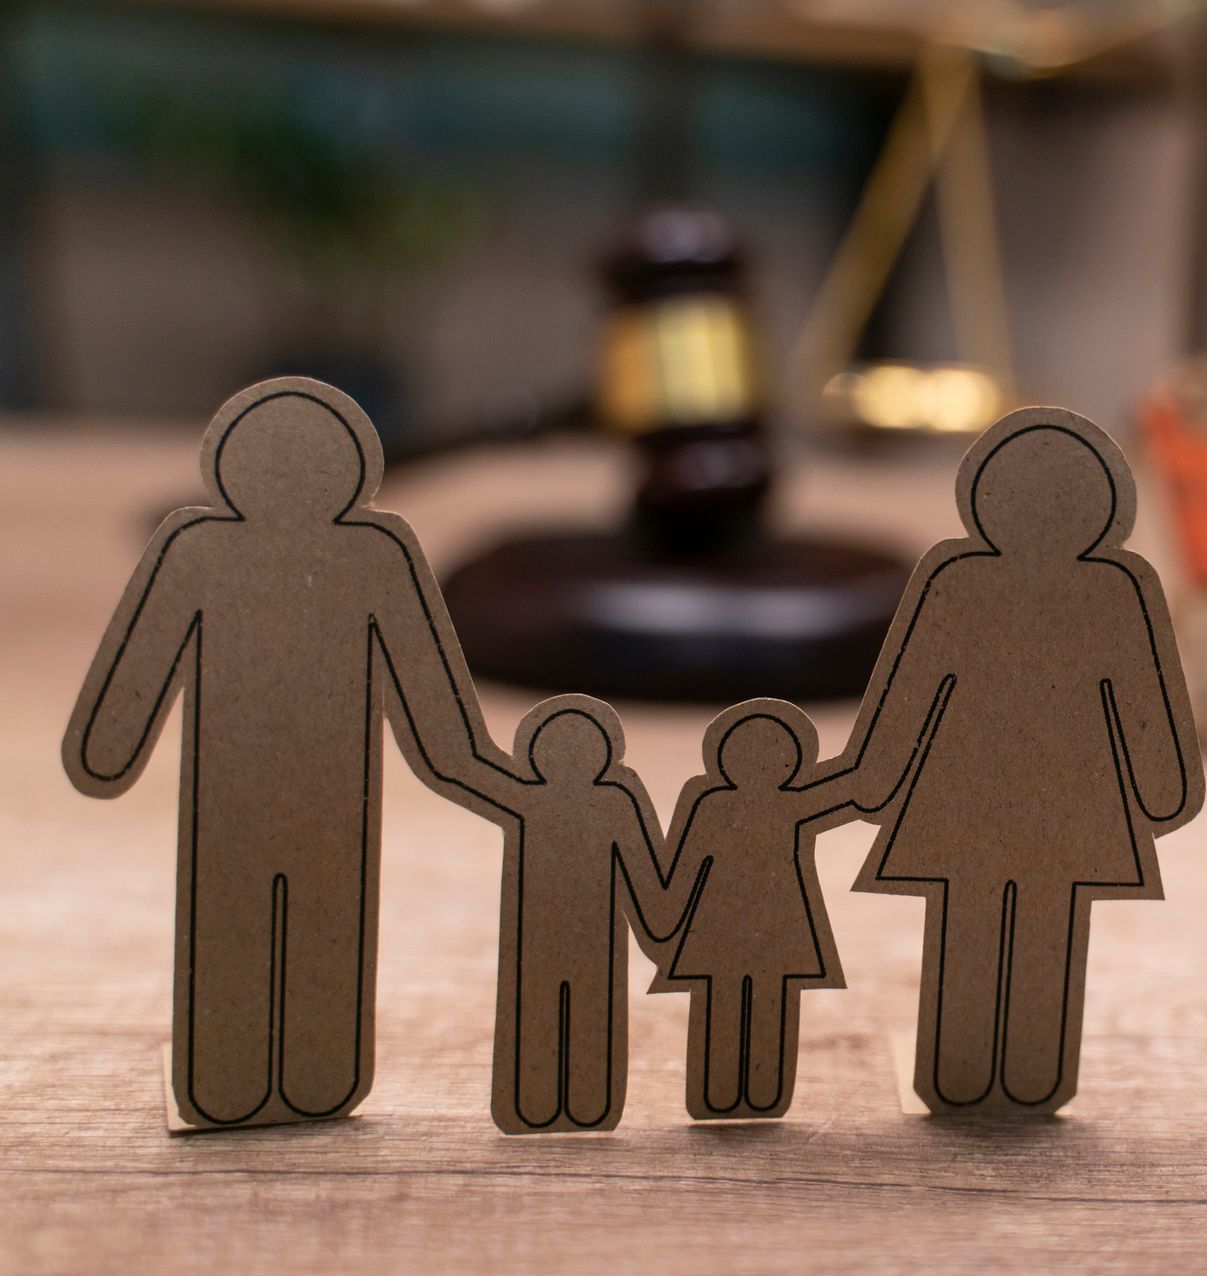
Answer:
(762, 745)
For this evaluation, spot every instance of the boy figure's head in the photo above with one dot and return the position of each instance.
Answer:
(570, 740)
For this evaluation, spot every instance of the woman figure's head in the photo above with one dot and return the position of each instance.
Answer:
(1046, 483)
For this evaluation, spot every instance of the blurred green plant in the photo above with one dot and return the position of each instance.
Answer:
(333, 208)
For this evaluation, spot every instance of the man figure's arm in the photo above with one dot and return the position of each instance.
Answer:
(136, 672)
(430, 699)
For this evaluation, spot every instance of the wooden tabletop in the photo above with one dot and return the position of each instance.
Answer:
(421, 1181)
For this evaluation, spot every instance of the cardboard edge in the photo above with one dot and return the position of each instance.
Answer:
(177, 1125)
(902, 1046)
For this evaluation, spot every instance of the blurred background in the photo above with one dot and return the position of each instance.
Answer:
(752, 255)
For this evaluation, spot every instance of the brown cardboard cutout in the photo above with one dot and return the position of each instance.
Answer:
(1025, 736)
(283, 611)
(580, 864)
(756, 931)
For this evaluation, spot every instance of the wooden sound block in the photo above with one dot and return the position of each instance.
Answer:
(613, 615)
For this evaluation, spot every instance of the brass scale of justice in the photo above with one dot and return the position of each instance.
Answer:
(694, 598)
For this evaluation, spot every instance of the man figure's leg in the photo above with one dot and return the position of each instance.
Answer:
(225, 1007)
(595, 1013)
(327, 991)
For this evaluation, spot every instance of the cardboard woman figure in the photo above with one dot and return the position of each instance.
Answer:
(580, 864)
(1025, 737)
(757, 931)
(286, 611)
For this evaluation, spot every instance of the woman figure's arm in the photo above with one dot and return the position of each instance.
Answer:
(1144, 696)
(909, 688)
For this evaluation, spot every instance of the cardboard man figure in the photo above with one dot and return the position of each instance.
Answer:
(580, 864)
(1025, 737)
(290, 614)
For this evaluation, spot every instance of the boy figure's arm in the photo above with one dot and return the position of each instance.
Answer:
(134, 676)
(654, 911)
(684, 877)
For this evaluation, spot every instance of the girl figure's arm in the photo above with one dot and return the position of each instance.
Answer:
(830, 799)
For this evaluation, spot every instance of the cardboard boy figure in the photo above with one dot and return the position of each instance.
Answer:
(580, 865)
(284, 611)
(757, 931)
(1024, 738)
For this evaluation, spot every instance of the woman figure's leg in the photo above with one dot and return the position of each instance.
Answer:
(1043, 996)
(772, 1032)
(962, 974)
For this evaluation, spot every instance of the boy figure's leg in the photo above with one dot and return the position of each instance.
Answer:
(596, 1048)
(538, 1038)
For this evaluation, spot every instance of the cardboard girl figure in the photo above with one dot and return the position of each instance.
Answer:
(757, 931)
(1025, 737)
(580, 865)
(286, 611)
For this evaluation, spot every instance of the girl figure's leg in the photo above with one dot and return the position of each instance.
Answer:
(1044, 993)
(715, 1049)
(961, 990)
(772, 1034)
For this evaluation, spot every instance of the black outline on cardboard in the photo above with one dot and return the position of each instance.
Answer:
(801, 981)
(618, 868)
(917, 761)
(374, 723)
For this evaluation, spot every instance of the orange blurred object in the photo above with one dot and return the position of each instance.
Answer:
(1174, 421)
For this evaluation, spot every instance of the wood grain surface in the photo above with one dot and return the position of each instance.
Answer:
(421, 1181)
